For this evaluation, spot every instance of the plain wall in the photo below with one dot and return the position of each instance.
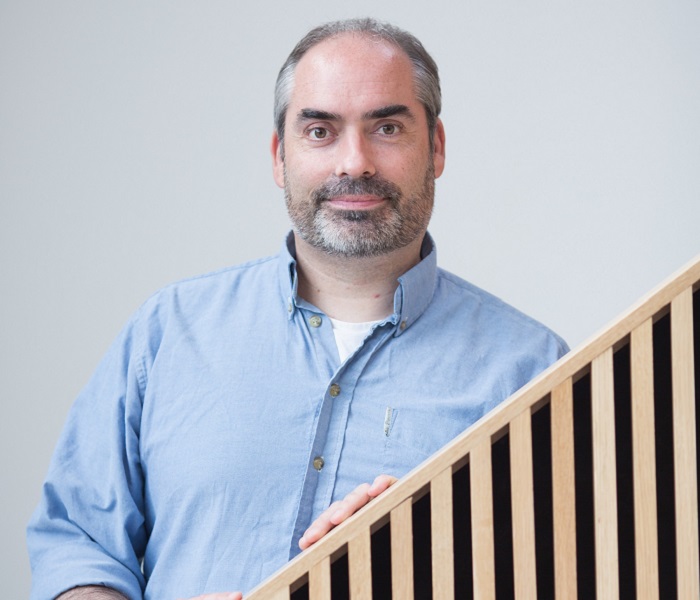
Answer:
(134, 151)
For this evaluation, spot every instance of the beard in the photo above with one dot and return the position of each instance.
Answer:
(397, 222)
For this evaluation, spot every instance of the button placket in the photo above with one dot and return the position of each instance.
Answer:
(346, 378)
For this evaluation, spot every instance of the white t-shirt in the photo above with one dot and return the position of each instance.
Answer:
(349, 336)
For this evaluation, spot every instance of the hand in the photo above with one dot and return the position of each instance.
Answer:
(337, 512)
(91, 592)
(220, 596)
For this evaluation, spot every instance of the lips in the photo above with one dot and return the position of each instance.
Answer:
(356, 194)
(359, 202)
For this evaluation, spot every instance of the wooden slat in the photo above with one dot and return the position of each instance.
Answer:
(360, 565)
(685, 473)
(320, 580)
(523, 507)
(442, 536)
(571, 366)
(644, 462)
(280, 594)
(402, 551)
(604, 476)
(482, 520)
(564, 491)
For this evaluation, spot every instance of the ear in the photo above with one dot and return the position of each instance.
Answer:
(277, 160)
(439, 148)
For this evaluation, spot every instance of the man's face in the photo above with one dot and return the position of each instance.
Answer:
(358, 171)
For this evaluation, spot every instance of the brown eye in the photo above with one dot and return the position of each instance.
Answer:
(388, 129)
(318, 133)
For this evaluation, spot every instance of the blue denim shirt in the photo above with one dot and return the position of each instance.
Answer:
(191, 462)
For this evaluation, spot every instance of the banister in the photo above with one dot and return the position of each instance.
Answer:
(606, 403)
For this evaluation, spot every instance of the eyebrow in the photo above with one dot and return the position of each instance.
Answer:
(390, 111)
(309, 114)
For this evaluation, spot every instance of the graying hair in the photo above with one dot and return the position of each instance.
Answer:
(425, 71)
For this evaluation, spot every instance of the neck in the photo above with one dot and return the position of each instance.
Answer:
(352, 289)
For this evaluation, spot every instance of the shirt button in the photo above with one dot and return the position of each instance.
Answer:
(318, 463)
(289, 307)
(403, 325)
(335, 390)
(315, 321)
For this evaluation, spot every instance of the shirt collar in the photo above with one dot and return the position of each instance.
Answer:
(416, 287)
(287, 271)
(413, 294)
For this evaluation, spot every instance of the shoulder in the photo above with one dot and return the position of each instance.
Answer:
(492, 316)
(224, 278)
(208, 287)
(207, 300)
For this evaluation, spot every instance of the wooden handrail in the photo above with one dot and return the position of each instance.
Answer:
(596, 458)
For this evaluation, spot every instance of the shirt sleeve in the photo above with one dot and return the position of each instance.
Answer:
(529, 350)
(542, 349)
(89, 525)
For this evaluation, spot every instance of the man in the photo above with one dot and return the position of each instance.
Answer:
(237, 407)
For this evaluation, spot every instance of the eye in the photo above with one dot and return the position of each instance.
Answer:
(388, 129)
(318, 133)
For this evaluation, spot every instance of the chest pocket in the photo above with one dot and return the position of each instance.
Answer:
(414, 435)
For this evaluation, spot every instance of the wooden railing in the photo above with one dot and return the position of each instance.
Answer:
(583, 485)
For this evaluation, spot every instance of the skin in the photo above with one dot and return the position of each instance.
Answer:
(340, 124)
(350, 80)
(341, 510)
(91, 592)
(353, 81)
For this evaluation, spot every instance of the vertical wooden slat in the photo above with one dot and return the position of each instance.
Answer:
(685, 473)
(402, 551)
(360, 565)
(280, 594)
(482, 520)
(564, 491)
(320, 580)
(644, 462)
(441, 535)
(523, 507)
(604, 476)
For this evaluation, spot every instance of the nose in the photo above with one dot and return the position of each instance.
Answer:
(354, 157)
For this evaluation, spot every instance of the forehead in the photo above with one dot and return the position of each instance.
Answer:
(352, 70)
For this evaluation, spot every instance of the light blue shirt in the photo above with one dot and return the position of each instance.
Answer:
(221, 423)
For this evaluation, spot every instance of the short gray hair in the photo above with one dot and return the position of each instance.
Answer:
(425, 71)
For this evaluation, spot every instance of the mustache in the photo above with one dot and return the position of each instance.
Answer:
(345, 186)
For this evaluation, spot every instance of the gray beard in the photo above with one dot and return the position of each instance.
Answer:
(362, 233)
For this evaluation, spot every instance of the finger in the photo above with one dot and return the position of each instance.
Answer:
(320, 527)
(339, 511)
(334, 515)
(381, 484)
(353, 502)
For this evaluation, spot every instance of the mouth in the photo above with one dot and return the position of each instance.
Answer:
(356, 202)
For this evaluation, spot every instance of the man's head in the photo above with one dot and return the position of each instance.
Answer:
(425, 71)
(357, 146)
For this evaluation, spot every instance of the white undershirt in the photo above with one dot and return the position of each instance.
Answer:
(349, 336)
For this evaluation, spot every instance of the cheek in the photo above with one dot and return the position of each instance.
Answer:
(410, 176)
(408, 165)
(305, 175)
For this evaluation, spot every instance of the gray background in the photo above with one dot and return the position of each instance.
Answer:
(134, 151)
